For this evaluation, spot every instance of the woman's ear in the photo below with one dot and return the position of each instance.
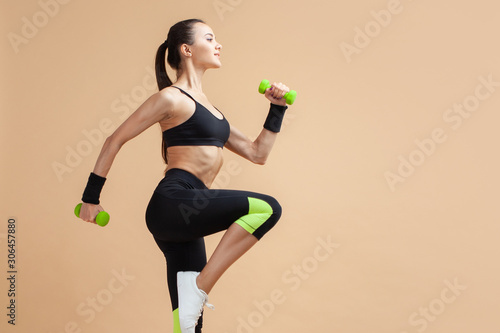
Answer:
(186, 50)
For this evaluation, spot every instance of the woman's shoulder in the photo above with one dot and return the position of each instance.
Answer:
(175, 102)
(171, 98)
(170, 95)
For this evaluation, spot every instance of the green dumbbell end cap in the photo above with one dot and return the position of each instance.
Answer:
(77, 209)
(263, 86)
(102, 219)
(290, 97)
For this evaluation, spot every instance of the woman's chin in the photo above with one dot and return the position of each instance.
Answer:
(212, 65)
(216, 65)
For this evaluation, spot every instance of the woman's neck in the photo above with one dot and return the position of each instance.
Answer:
(191, 79)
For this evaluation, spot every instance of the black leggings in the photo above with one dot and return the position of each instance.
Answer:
(183, 210)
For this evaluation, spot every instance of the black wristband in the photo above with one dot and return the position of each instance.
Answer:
(93, 189)
(275, 118)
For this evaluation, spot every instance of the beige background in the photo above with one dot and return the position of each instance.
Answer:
(420, 255)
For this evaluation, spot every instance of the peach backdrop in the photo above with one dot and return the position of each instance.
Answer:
(387, 166)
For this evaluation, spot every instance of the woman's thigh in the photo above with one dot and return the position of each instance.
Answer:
(184, 215)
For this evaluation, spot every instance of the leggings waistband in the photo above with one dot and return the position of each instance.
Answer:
(186, 176)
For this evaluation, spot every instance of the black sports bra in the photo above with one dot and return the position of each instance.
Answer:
(203, 128)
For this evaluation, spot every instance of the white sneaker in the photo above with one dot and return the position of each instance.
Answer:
(191, 301)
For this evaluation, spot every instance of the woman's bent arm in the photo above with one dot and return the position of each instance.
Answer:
(256, 151)
(154, 109)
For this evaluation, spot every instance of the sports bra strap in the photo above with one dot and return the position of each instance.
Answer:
(185, 93)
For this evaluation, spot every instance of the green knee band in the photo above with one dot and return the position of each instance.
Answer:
(259, 212)
(177, 325)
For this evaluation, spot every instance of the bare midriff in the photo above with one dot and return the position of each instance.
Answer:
(202, 161)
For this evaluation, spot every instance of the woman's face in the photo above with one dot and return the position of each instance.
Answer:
(205, 50)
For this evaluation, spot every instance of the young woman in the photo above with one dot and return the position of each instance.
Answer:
(183, 209)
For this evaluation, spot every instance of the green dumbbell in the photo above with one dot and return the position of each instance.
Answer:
(101, 219)
(289, 96)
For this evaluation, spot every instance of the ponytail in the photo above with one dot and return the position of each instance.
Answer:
(163, 81)
(161, 71)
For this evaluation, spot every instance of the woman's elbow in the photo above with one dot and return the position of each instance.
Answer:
(113, 142)
(258, 156)
(260, 160)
